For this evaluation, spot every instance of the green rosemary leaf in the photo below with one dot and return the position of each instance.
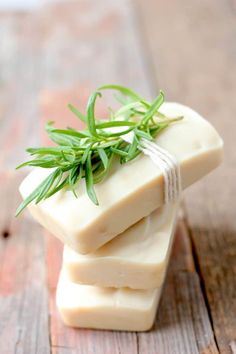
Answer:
(48, 151)
(68, 157)
(74, 178)
(112, 135)
(78, 114)
(103, 157)
(57, 187)
(61, 139)
(90, 113)
(98, 177)
(126, 92)
(85, 155)
(80, 175)
(39, 163)
(160, 115)
(119, 152)
(89, 180)
(171, 120)
(153, 108)
(107, 144)
(32, 195)
(132, 149)
(56, 183)
(81, 134)
(133, 156)
(73, 175)
(143, 134)
(117, 123)
(128, 108)
(158, 129)
(47, 185)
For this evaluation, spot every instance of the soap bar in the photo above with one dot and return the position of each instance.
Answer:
(121, 309)
(131, 191)
(137, 258)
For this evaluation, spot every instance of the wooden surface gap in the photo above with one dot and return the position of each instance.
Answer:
(200, 275)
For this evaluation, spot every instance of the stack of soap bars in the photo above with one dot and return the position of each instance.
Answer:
(116, 254)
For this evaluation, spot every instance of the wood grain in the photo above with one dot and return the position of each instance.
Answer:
(23, 292)
(194, 62)
(18, 88)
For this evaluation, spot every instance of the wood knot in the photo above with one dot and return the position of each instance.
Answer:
(5, 233)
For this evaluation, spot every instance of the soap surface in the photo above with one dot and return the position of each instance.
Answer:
(131, 191)
(137, 258)
(122, 309)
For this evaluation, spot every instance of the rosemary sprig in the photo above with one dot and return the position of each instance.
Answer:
(89, 153)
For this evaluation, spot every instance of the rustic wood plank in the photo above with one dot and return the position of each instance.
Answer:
(18, 89)
(194, 62)
(23, 294)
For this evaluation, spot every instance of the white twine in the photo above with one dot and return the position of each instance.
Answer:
(167, 163)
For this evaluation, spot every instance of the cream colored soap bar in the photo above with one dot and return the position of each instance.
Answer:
(137, 258)
(132, 190)
(106, 308)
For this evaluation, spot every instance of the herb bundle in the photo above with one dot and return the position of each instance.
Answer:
(89, 153)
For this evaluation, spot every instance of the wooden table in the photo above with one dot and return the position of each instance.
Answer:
(187, 48)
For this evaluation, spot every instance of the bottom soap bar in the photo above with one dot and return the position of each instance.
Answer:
(121, 309)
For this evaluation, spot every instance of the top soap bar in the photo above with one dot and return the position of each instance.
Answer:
(131, 191)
